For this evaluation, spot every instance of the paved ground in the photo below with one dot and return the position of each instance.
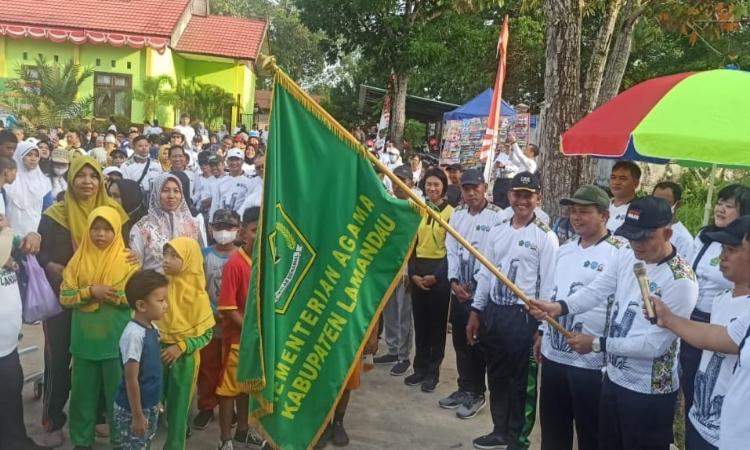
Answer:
(383, 414)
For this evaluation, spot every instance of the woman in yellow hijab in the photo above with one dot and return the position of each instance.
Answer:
(185, 329)
(94, 287)
(64, 226)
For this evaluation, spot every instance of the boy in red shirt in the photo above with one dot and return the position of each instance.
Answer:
(235, 282)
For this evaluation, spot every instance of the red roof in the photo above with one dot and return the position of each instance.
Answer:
(222, 36)
(142, 17)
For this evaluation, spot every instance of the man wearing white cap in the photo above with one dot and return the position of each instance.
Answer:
(231, 191)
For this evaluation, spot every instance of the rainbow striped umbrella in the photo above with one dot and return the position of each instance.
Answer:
(693, 118)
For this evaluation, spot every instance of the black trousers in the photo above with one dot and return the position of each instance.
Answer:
(12, 429)
(507, 337)
(469, 359)
(569, 395)
(56, 370)
(631, 420)
(500, 192)
(690, 360)
(430, 311)
(693, 439)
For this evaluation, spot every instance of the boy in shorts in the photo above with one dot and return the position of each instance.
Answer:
(136, 408)
(235, 282)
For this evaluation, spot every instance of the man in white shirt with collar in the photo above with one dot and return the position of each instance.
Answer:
(505, 170)
(682, 240)
(474, 220)
(525, 159)
(140, 167)
(718, 417)
(639, 392)
(623, 182)
(525, 250)
(570, 382)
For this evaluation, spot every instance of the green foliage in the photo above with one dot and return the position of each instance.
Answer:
(153, 95)
(415, 133)
(203, 101)
(297, 49)
(47, 94)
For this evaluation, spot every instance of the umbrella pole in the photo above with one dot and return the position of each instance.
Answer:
(710, 196)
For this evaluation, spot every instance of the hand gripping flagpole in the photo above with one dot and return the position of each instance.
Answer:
(268, 63)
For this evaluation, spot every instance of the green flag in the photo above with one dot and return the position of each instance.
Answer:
(331, 246)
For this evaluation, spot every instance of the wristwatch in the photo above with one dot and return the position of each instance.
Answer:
(596, 345)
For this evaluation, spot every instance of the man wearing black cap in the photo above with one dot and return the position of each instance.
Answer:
(525, 250)
(640, 386)
(453, 194)
(717, 407)
(473, 221)
(570, 382)
(397, 315)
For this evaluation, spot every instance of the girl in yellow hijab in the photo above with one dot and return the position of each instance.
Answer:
(94, 287)
(185, 329)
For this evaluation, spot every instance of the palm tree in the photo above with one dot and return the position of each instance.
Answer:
(47, 94)
(152, 94)
(202, 101)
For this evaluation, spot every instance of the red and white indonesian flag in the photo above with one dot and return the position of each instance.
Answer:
(493, 123)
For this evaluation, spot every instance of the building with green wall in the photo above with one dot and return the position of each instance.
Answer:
(125, 41)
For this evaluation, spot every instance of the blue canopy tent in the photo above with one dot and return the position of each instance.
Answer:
(478, 106)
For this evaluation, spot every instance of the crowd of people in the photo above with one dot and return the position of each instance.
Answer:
(147, 240)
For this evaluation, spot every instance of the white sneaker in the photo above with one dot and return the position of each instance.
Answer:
(226, 445)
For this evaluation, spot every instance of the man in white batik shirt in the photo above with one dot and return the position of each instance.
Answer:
(640, 387)
(570, 382)
(474, 221)
(524, 249)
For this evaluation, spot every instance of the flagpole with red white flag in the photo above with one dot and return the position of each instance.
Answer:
(489, 143)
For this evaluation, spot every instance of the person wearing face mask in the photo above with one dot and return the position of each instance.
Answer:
(224, 226)
(60, 164)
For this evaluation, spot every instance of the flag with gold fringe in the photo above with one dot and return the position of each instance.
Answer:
(331, 247)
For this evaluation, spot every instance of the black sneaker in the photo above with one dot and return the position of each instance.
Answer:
(324, 438)
(490, 442)
(385, 359)
(471, 406)
(454, 400)
(414, 379)
(400, 368)
(255, 440)
(339, 438)
(202, 419)
(430, 383)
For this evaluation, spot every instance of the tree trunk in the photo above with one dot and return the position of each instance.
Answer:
(598, 61)
(561, 175)
(620, 53)
(398, 118)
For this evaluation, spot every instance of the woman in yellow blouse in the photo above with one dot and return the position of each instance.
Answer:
(428, 271)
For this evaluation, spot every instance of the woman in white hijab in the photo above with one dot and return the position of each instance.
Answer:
(29, 194)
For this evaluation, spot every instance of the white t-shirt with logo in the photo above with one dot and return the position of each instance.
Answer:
(710, 279)
(462, 265)
(576, 267)
(525, 255)
(715, 371)
(641, 357)
(231, 192)
(132, 170)
(616, 216)
(735, 427)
